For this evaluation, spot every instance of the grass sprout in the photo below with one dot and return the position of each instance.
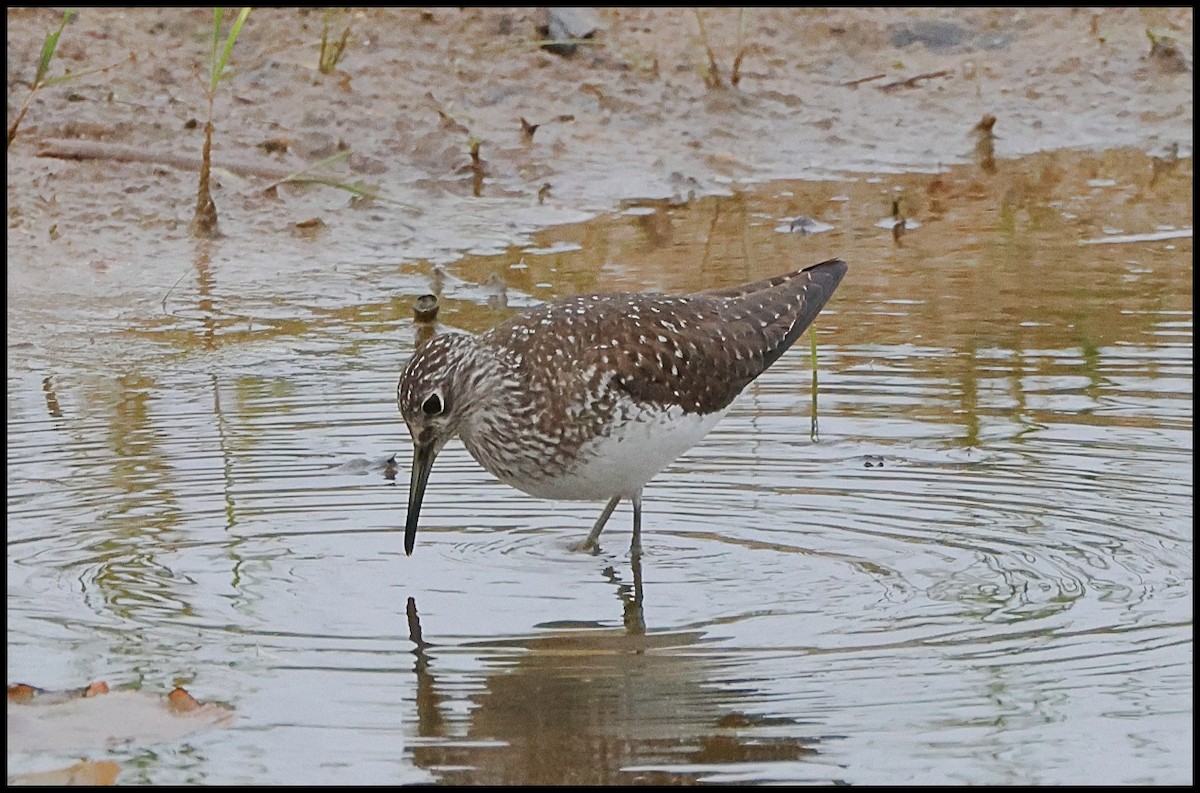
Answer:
(204, 220)
(331, 52)
(42, 79)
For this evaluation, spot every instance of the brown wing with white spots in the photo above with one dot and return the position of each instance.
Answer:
(697, 351)
(717, 342)
(789, 304)
(822, 270)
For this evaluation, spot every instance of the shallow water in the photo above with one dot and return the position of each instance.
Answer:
(973, 566)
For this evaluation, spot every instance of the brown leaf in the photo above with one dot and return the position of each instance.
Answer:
(22, 692)
(87, 772)
(95, 689)
(182, 702)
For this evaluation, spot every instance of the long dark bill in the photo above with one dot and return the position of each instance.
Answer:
(423, 456)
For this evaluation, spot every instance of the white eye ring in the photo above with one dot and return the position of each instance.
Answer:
(433, 404)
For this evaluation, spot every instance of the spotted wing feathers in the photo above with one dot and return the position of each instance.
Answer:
(698, 351)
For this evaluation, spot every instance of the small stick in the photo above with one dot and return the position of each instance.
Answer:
(911, 82)
(861, 80)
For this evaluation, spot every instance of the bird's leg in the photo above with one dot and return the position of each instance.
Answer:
(635, 545)
(634, 617)
(590, 543)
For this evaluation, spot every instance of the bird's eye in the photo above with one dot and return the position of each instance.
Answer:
(432, 405)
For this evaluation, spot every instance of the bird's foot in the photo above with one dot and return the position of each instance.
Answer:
(587, 546)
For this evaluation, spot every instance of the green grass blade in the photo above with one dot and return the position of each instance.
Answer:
(229, 41)
(220, 62)
(62, 78)
(218, 15)
(49, 46)
(341, 155)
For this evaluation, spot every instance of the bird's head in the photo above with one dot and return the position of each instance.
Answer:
(434, 396)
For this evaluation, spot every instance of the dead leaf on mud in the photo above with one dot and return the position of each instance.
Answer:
(276, 145)
(311, 228)
(527, 130)
(448, 121)
(1165, 53)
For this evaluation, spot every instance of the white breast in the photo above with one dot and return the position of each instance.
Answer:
(620, 463)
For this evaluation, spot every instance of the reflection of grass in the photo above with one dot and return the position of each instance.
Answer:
(812, 340)
(204, 221)
(41, 80)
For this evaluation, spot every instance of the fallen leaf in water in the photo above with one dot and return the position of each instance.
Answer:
(22, 692)
(182, 702)
(95, 718)
(88, 772)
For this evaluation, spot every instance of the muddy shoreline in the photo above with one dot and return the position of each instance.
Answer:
(818, 92)
(100, 241)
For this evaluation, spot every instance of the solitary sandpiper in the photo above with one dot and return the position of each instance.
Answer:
(589, 397)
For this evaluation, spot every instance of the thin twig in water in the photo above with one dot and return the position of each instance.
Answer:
(172, 289)
(861, 80)
(911, 82)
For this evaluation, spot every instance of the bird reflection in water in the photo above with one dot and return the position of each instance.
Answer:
(588, 704)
